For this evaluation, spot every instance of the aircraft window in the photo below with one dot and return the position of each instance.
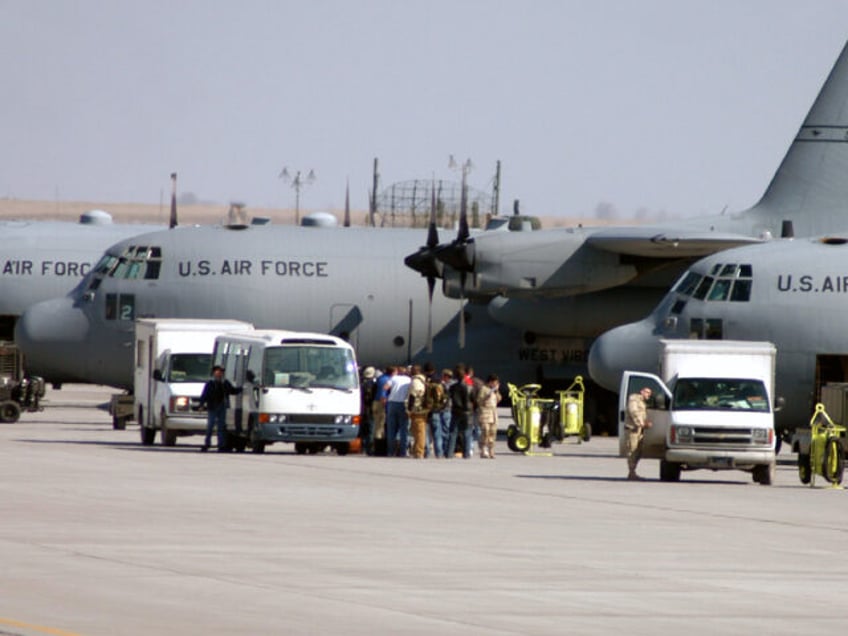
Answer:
(720, 290)
(696, 328)
(688, 283)
(741, 291)
(746, 271)
(678, 306)
(120, 270)
(729, 270)
(716, 269)
(105, 264)
(155, 252)
(703, 288)
(111, 306)
(152, 271)
(133, 269)
(714, 329)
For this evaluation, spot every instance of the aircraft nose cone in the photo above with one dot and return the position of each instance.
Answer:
(632, 347)
(45, 331)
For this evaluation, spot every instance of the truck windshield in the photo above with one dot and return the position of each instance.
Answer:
(314, 366)
(189, 367)
(712, 394)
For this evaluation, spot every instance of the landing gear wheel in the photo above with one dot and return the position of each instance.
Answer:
(10, 412)
(669, 471)
(805, 473)
(764, 474)
(586, 434)
(833, 463)
(521, 442)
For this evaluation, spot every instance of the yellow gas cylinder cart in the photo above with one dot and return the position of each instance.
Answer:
(528, 410)
(821, 449)
(569, 415)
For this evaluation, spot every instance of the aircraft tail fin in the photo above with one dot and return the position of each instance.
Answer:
(810, 188)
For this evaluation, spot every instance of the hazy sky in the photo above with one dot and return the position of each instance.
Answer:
(671, 105)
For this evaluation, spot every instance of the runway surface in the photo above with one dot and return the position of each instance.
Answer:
(100, 535)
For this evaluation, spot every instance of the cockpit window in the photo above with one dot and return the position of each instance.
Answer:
(720, 290)
(688, 283)
(741, 290)
(728, 270)
(703, 288)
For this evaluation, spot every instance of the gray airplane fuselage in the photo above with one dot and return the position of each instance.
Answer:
(792, 293)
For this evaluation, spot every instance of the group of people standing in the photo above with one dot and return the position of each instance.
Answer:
(438, 411)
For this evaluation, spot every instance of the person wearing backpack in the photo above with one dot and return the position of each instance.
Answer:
(417, 411)
(438, 404)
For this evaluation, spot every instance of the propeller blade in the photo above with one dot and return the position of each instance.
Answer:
(431, 285)
(173, 222)
(347, 205)
(462, 311)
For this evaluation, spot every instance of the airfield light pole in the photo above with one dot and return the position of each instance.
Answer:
(464, 169)
(297, 182)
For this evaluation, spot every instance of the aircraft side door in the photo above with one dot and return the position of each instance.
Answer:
(653, 445)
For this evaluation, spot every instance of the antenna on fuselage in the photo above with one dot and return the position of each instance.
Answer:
(173, 222)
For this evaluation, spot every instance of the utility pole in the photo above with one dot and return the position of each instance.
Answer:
(297, 182)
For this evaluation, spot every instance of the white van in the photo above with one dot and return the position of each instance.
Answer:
(297, 387)
(712, 408)
(173, 360)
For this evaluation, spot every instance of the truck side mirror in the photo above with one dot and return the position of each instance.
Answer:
(157, 375)
(250, 376)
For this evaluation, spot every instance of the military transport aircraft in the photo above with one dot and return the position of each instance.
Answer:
(538, 298)
(793, 293)
(542, 282)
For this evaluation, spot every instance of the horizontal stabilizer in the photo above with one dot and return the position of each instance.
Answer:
(655, 242)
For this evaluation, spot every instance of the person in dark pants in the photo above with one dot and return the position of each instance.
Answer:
(216, 398)
(461, 410)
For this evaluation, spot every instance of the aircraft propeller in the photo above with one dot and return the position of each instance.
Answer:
(173, 222)
(424, 261)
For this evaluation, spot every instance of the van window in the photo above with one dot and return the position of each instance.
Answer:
(310, 366)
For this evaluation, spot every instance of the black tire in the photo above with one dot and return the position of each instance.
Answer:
(833, 463)
(300, 448)
(545, 442)
(10, 412)
(510, 442)
(521, 442)
(148, 435)
(586, 434)
(511, 430)
(343, 448)
(166, 436)
(805, 473)
(764, 474)
(669, 471)
(119, 423)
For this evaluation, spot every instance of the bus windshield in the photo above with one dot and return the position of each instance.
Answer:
(310, 366)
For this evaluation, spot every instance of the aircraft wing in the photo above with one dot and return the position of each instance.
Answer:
(653, 242)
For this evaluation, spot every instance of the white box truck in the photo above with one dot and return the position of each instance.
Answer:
(173, 360)
(712, 407)
(296, 387)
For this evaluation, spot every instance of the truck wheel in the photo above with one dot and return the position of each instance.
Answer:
(300, 448)
(167, 436)
(805, 472)
(342, 448)
(669, 471)
(764, 474)
(833, 463)
(586, 435)
(148, 435)
(10, 412)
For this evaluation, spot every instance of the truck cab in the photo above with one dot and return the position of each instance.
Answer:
(712, 409)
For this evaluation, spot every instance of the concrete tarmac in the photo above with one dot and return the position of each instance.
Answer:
(101, 536)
